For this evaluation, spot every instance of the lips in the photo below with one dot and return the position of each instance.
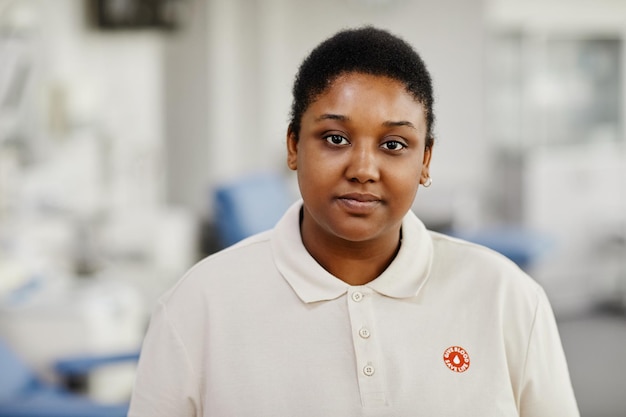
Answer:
(359, 202)
(360, 197)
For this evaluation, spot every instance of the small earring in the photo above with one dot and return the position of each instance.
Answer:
(428, 182)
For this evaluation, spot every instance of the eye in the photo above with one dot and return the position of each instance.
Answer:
(393, 145)
(336, 140)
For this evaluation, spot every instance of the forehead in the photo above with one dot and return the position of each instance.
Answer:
(374, 95)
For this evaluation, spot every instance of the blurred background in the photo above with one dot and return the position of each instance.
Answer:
(136, 135)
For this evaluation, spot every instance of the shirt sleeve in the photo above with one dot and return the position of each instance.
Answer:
(547, 390)
(165, 384)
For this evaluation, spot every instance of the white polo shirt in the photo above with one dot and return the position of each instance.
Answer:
(262, 330)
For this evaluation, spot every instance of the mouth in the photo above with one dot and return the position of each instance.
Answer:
(359, 202)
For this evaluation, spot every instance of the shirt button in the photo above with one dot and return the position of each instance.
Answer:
(357, 296)
(368, 370)
(364, 333)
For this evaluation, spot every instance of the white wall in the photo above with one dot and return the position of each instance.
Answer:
(186, 110)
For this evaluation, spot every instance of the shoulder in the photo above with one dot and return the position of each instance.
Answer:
(470, 256)
(243, 271)
(223, 270)
(481, 270)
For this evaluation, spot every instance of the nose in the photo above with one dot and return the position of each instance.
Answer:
(363, 165)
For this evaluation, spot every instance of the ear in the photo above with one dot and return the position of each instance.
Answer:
(292, 149)
(428, 152)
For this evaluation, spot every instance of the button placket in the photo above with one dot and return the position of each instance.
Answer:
(366, 347)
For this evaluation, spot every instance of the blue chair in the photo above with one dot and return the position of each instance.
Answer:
(23, 394)
(250, 205)
(520, 245)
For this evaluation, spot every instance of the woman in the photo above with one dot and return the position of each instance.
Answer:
(350, 307)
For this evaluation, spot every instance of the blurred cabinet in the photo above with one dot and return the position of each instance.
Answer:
(555, 104)
(554, 89)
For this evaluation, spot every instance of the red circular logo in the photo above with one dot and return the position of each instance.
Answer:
(456, 359)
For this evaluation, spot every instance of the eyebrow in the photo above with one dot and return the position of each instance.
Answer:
(328, 116)
(400, 123)
(389, 123)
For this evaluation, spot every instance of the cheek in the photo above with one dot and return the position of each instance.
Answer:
(406, 179)
(312, 162)
(409, 185)
(409, 168)
(307, 173)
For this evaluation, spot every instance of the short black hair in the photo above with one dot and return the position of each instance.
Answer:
(365, 50)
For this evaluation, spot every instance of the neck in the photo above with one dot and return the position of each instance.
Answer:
(355, 263)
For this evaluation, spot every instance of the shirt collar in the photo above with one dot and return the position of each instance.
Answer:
(402, 279)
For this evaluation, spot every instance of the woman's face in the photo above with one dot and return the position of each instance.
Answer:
(360, 156)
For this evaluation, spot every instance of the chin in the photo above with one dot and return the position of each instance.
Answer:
(356, 234)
